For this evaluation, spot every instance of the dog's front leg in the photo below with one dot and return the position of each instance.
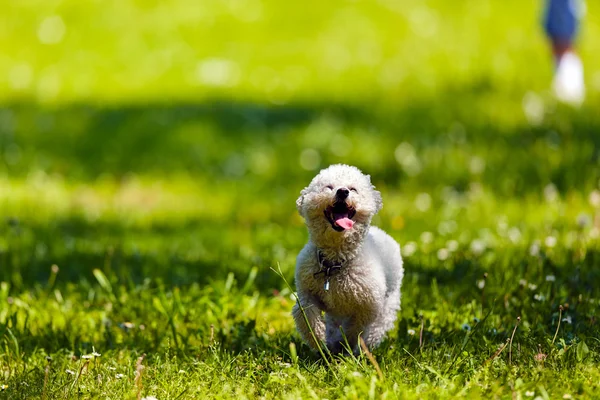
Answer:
(334, 334)
(353, 328)
(305, 311)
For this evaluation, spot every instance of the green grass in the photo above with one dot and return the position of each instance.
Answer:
(151, 154)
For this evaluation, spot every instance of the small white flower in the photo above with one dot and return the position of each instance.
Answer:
(529, 393)
(423, 202)
(534, 250)
(127, 325)
(119, 376)
(583, 220)
(539, 297)
(149, 398)
(550, 278)
(532, 286)
(452, 245)
(595, 199)
(567, 319)
(533, 108)
(426, 237)
(447, 227)
(181, 371)
(68, 371)
(502, 225)
(112, 368)
(95, 354)
(522, 282)
(514, 235)
(550, 193)
(443, 254)
(550, 241)
(86, 357)
(409, 249)
(477, 246)
(567, 396)
(411, 332)
(481, 283)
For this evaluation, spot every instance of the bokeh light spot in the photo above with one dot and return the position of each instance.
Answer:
(310, 159)
(51, 30)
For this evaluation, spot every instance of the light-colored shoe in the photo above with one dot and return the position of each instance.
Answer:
(568, 82)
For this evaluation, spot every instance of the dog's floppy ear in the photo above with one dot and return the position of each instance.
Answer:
(378, 200)
(376, 196)
(300, 200)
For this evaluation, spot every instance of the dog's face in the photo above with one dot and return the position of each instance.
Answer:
(340, 198)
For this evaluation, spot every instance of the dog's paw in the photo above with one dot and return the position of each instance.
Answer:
(341, 348)
(335, 347)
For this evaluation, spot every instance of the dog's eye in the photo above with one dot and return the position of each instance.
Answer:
(354, 190)
(329, 187)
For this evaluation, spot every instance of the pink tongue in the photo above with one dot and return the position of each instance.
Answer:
(345, 223)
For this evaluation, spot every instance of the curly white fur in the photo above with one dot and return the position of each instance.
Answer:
(364, 295)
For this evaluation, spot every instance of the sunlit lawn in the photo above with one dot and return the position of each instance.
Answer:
(151, 154)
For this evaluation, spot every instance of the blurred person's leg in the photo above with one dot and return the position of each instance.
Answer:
(562, 23)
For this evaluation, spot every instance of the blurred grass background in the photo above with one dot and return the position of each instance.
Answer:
(164, 144)
(133, 121)
(272, 53)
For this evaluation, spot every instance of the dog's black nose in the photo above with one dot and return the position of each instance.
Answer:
(342, 193)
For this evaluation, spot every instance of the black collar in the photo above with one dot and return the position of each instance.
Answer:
(326, 267)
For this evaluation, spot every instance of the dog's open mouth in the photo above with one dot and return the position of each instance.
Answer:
(340, 216)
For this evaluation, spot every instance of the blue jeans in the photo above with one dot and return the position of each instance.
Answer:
(562, 19)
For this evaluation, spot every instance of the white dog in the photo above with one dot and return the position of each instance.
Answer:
(348, 269)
